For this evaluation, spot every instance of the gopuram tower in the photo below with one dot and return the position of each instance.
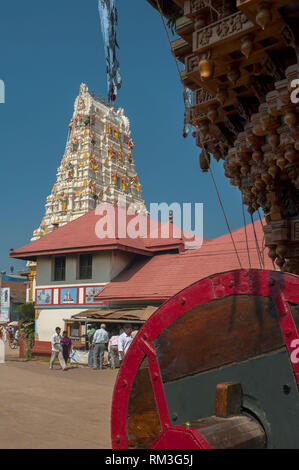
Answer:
(97, 165)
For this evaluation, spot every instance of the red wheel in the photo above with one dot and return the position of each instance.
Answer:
(215, 367)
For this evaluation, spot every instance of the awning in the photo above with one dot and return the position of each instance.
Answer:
(120, 315)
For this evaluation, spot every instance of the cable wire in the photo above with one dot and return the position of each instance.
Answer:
(256, 243)
(244, 221)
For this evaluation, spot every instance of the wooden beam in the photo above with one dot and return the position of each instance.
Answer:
(237, 432)
(228, 399)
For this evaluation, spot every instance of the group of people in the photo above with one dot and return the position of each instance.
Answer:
(9, 333)
(117, 345)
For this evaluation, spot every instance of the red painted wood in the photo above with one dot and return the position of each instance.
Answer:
(289, 330)
(283, 288)
(179, 437)
(42, 348)
(159, 393)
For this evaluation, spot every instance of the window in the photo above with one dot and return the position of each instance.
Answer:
(59, 268)
(85, 267)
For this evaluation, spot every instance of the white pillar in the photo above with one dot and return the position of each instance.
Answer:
(2, 352)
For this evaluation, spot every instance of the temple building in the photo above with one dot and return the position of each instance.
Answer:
(82, 278)
(74, 263)
(97, 165)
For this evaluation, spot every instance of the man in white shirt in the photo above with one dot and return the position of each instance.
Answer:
(100, 339)
(113, 350)
(57, 349)
(124, 341)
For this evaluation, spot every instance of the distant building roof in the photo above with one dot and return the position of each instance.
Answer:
(164, 275)
(14, 278)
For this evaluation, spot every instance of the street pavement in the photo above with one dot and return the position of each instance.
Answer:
(54, 409)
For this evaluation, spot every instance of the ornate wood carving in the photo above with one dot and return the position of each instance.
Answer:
(242, 69)
(272, 67)
(191, 63)
(234, 24)
(202, 96)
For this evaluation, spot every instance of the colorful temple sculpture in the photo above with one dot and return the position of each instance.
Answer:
(97, 165)
(241, 63)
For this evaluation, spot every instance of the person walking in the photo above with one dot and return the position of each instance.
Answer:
(125, 340)
(66, 346)
(57, 349)
(90, 334)
(10, 334)
(2, 351)
(113, 350)
(4, 334)
(17, 334)
(100, 339)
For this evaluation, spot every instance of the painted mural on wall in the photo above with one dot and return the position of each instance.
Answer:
(43, 296)
(90, 294)
(68, 296)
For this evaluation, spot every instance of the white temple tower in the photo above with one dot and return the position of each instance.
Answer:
(97, 165)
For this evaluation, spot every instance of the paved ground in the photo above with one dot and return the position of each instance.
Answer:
(52, 409)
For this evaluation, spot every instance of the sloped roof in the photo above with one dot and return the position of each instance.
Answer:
(164, 275)
(82, 235)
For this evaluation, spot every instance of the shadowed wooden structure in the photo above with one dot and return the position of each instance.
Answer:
(240, 62)
(216, 366)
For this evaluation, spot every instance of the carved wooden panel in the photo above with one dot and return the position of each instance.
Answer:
(234, 24)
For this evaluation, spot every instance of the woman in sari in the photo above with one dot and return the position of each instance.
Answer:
(66, 346)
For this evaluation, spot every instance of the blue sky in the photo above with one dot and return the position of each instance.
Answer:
(47, 50)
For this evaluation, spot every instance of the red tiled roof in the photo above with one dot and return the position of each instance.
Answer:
(17, 291)
(80, 235)
(164, 275)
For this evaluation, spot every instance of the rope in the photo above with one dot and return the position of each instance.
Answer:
(222, 207)
(244, 221)
(256, 243)
(263, 251)
(263, 241)
(260, 218)
(170, 43)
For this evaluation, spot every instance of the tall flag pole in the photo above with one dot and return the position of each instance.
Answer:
(109, 21)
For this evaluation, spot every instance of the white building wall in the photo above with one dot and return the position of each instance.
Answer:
(49, 319)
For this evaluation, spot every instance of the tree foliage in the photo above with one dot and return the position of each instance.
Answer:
(27, 324)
